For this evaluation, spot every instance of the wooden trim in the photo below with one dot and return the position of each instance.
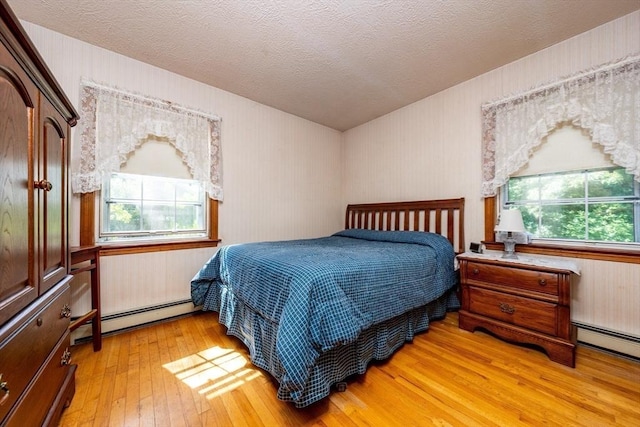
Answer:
(490, 217)
(87, 219)
(139, 248)
(386, 216)
(213, 219)
(600, 254)
(88, 227)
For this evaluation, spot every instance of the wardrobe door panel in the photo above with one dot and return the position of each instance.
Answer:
(18, 281)
(52, 193)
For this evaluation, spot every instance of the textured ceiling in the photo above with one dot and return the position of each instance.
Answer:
(339, 63)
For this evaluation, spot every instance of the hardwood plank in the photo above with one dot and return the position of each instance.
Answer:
(117, 414)
(264, 410)
(160, 405)
(171, 386)
(90, 376)
(217, 415)
(132, 396)
(101, 417)
(144, 367)
(146, 412)
(188, 372)
(505, 380)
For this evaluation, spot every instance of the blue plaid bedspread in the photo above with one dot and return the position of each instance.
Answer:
(321, 293)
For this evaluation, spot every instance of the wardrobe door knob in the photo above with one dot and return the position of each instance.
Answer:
(43, 185)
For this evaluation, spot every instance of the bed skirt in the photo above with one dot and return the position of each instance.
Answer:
(378, 342)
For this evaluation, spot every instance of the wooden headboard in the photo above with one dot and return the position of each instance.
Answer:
(445, 217)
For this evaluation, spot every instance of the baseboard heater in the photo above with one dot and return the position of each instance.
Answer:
(135, 318)
(605, 339)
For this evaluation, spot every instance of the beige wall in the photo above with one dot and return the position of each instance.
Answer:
(431, 149)
(280, 174)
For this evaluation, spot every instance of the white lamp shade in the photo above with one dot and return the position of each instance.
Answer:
(510, 220)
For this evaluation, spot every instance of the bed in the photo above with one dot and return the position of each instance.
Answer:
(313, 312)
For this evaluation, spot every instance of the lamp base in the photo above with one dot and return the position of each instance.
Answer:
(509, 248)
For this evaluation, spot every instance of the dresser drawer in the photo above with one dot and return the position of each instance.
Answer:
(34, 405)
(538, 281)
(531, 314)
(24, 348)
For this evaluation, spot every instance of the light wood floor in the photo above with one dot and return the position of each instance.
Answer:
(187, 372)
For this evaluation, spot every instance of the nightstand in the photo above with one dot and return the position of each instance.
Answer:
(524, 301)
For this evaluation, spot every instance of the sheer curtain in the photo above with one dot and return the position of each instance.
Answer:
(604, 101)
(114, 123)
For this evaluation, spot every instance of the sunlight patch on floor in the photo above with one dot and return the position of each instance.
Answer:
(213, 371)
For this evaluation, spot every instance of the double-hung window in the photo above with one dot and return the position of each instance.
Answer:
(152, 197)
(593, 205)
(151, 207)
(570, 191)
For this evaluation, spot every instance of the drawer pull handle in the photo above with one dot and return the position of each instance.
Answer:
(542, 282)
(66, 358)
(4, 386)
(66, 311)
(476, 271)
(506, 308)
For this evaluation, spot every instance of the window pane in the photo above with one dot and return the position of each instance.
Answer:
(562, 222)
(524, 188)
(610, 183)
(562, 186)
(189, 217)
(530, 215)
(189, 191)
(123, 186)
(158, 189)
(611, 222)
(123, 217)
(158, 216)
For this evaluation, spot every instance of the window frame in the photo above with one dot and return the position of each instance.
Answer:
(634, 200)
(88, 232)
(108, 237)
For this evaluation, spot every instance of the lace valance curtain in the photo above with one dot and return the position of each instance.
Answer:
(605, 102)
(114, 123)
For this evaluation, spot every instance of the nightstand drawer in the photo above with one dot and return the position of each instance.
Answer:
(538, 281)
(536, 315)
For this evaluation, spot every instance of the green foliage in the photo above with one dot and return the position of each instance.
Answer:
(124, 217)
(140, 203)
(580, 205)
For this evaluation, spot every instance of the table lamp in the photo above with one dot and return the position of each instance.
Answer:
(510, 221)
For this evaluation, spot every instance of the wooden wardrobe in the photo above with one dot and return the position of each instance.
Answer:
(36, 374)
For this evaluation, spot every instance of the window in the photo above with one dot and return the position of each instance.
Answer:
(513, 136)
(137, 206)
(599, 205)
